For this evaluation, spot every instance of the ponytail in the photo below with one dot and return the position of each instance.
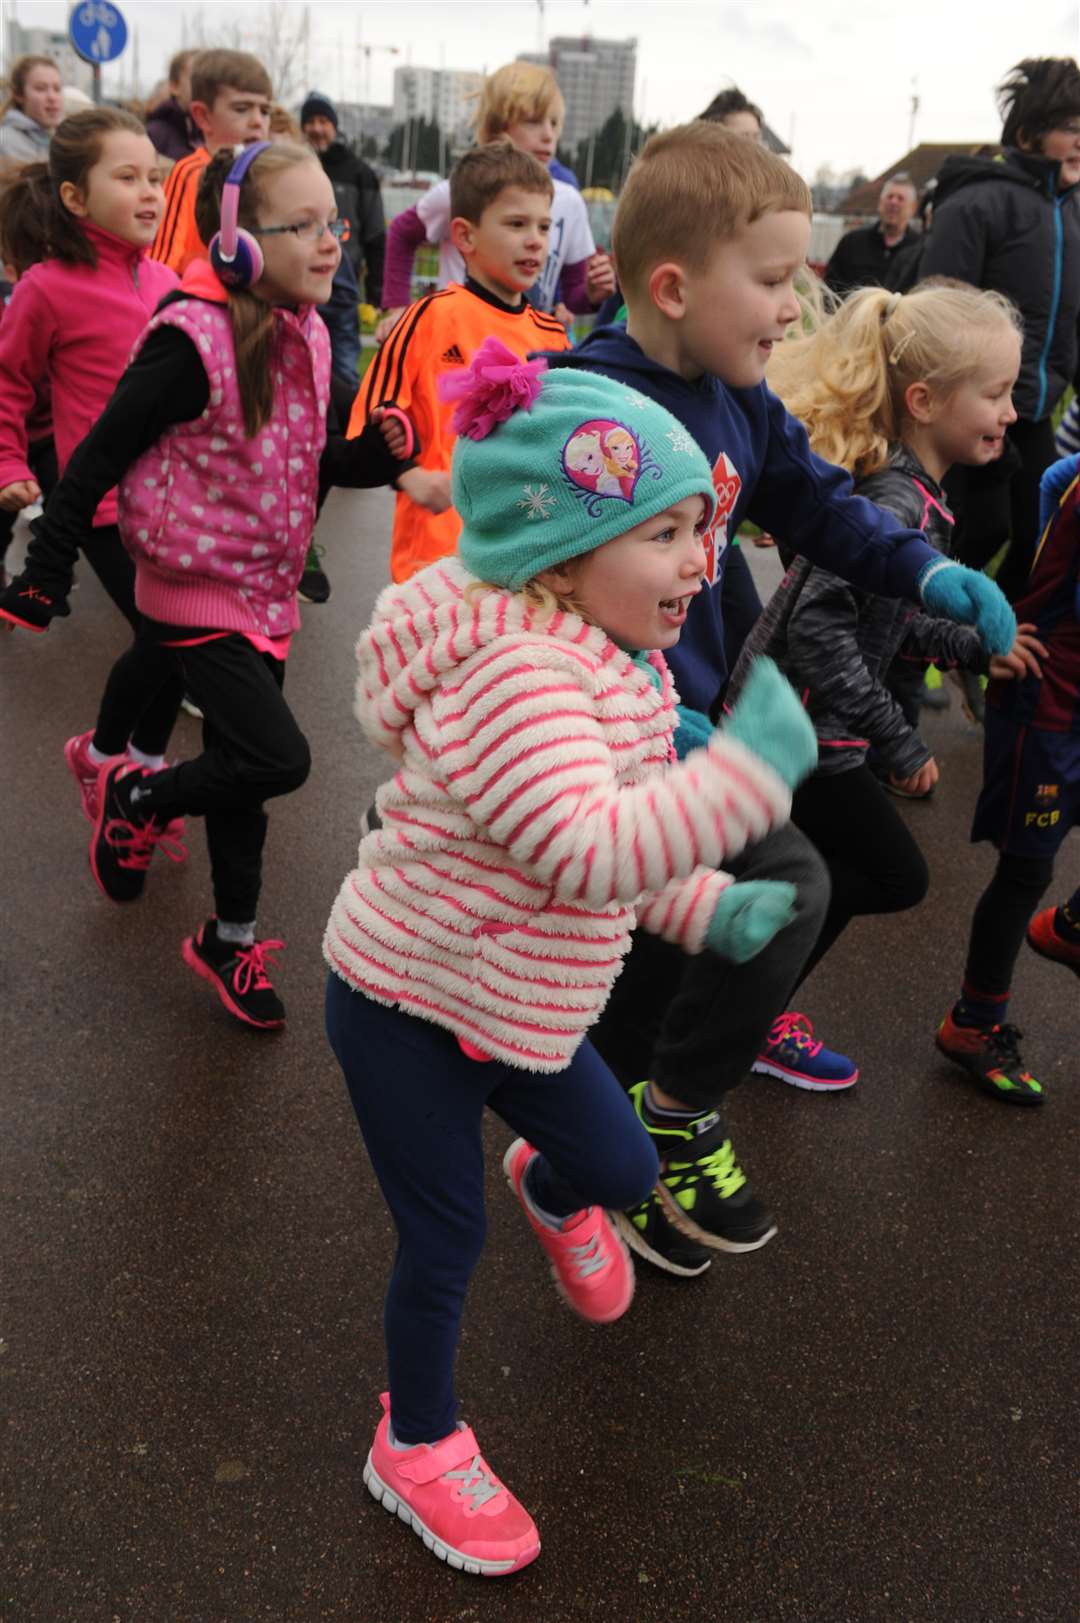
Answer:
(25, 202)
(252, 318)
(846, 378)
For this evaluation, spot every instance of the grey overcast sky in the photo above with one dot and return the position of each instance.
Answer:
(834, 77)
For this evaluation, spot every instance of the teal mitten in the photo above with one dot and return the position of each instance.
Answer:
(769, 720)
(748, 915)
(957, 593)
(692, 731)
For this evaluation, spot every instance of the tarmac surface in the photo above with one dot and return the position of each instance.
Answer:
(872, 1418)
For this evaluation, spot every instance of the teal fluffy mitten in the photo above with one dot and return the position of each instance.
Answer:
(957, 593)
(769, 720)
(747, 916)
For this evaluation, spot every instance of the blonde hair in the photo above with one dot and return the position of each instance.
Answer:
(516, 92)
(692, 188)
(846, 378)
(538, 595)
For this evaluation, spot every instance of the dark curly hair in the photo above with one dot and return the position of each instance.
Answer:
(1036, 96)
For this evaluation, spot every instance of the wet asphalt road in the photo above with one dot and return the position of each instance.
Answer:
(873, 1418)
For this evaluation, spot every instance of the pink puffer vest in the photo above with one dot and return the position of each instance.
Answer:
(219, 524)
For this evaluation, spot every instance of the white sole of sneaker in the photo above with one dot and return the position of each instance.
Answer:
(715, 1242)
(795, 1080)
(638, 1244)
(389, 1500)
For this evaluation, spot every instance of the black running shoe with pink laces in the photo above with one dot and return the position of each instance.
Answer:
(238, 975)
(125, 837)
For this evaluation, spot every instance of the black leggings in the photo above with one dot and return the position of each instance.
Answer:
(143, 692)
(874, 864)
(252, 750)
(1000, 922)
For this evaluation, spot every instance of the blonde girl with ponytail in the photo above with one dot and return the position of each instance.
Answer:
(896, 389)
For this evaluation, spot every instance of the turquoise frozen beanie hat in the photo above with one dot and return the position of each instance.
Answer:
(550, 464)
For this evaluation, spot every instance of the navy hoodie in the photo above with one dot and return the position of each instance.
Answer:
(764, 470)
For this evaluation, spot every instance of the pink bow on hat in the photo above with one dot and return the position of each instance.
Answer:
(495, 384)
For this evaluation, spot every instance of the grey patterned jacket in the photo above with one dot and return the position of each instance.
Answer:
(834, 643)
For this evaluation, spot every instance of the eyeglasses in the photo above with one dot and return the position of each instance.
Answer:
(306, 230)
(1071, 128)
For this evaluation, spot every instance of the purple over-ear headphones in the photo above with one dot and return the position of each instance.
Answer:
(234, 253)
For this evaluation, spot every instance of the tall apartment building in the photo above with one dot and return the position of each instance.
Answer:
(445, 95)
(596, 76)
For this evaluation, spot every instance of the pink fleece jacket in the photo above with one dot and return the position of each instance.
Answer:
(73, 325)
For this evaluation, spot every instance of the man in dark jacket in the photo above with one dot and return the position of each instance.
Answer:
(1013, 225)
(169, 124)
(867, 256)
(356, 187)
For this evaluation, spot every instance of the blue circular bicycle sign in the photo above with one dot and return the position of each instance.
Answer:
(97, 30)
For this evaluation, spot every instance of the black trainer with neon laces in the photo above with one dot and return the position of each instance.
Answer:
(702, 1189)
(648, 1233)
(238, 975)
(124, 837)
(314, 584)
(991, 1054)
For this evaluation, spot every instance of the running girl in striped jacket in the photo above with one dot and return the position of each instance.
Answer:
(536, 816)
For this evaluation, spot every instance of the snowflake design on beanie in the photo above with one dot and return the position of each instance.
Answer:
(681, 442)
(537, 503)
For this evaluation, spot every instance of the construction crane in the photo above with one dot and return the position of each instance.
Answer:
(390, 50)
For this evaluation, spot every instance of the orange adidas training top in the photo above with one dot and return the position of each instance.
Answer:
(178, 241)
(439, 333)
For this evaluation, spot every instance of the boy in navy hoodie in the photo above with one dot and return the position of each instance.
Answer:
(709, 235)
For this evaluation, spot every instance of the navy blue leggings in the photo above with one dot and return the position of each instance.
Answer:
(419, 1102)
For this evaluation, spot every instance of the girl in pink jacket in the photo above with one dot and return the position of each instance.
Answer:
(535, 817)
(69, 327)
(216, 437)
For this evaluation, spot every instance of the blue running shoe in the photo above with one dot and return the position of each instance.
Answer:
(795, 1055)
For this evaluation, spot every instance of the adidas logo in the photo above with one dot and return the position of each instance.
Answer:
(453, 356)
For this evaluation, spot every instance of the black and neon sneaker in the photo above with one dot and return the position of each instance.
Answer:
(647, 1232)
(991, 1054)
(314, 584)
(238, 975)
(702, 1188)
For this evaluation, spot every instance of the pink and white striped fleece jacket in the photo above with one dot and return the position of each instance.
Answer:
(537, 815)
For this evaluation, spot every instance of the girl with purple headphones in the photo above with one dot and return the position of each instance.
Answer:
(217, 438)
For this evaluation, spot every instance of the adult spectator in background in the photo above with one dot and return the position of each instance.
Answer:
(169, 124)
(736, 113)
(871, 255)
(1013, 225)
(356, 187)
(32, 111)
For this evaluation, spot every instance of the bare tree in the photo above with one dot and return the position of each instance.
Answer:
(277, 32)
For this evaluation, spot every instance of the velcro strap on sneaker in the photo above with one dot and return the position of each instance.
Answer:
(460, 1448)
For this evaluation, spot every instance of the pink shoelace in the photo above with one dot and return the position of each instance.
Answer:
(795, 1029)
(251, 966)
(135, 843)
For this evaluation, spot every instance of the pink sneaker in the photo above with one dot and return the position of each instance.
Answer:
(592, 1269)
(449, 1495)
(85, 772)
